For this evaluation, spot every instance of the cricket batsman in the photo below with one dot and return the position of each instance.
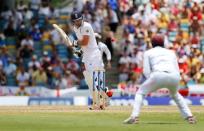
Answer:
(92, 57)
(161, 71)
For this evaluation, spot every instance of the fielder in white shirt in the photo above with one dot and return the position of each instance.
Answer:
(92, 57)
(104, 49)
(161, 71)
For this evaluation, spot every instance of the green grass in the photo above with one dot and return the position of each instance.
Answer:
(95, 121)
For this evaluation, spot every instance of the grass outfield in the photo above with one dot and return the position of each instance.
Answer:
(73, 118)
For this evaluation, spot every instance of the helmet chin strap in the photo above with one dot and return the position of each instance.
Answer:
(82, 22)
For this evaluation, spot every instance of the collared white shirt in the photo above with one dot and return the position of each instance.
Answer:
(91, 50)
(159, 59)
(104, 49)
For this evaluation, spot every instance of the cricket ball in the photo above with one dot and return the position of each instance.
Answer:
(109, 93)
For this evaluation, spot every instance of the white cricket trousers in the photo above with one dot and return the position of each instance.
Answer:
(90, 67)
(156, 81)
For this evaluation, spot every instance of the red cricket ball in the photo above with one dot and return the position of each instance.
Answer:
(109, 93)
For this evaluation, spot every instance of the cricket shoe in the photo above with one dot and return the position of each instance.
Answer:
(131, 120)
(95, 107)
(191, 120)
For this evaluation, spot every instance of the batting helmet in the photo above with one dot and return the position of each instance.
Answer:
(76, 16)
(158, 40)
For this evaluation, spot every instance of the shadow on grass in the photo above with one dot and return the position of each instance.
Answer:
(160, 123)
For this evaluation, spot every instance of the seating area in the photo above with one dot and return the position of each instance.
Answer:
(47, 47)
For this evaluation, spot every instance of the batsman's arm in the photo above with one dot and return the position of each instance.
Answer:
(86, 33)
(84, 41)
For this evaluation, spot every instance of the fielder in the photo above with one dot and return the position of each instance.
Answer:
(94, 72)
(104, 49)
(161, 70)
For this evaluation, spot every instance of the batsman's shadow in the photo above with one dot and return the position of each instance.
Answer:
(160, 123)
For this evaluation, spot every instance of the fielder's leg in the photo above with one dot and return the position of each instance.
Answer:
(180, 101)
(183, 107)
(150, 85)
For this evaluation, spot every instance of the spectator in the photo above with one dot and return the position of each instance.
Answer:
(87, 16)
(44, 9)
(17, 18)
(130, 27)
(113, 20)
(57, 66)
(109, 42)
(22, 91)
(21, 6)
(183, 65)
(46, 36)
(4, 56)
(10, 70)
(195, 18)
(39, 77)
(2, 39)
(172, 26)
(35, 33)
(96, 25)
(33, 65)
(45, 61)
(55, 37)
(132, 84)
(22, 77)
(35, 5)
(124, 67)
(195, 39)
(2, 74)
(71, 79)
(50, 74)
(27, 42)
(137, 57)
(10, 31)
(6, 13)
(25, 53)
(72, 66)
(53, 13)
(200, 76)
(113, 4)
(28, 14)
(60, 82)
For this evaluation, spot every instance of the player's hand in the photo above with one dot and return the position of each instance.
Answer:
(109, 65)
(75, 43)
(77, 52)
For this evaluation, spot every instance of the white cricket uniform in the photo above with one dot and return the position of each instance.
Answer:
(104, 49)
(92, 57)
(91, 54)
(162, 71)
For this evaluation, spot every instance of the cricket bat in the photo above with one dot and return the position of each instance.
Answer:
(63, 35)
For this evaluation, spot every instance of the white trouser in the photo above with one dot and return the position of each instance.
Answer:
(90, 67)
(156, 81)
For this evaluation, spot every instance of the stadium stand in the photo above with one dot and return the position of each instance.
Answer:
(126, 27)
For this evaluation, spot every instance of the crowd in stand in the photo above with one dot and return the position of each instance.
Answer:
(32, 53)
(181, 22)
